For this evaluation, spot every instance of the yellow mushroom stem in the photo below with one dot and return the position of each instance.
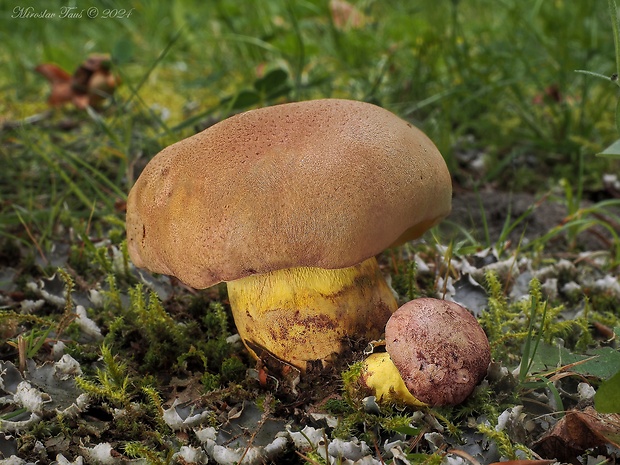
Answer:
(305, 314)
(383, 379)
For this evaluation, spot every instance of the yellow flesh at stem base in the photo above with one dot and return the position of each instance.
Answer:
(305, 314)
(382, 377)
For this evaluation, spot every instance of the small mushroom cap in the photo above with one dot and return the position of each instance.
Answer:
(323, 183)
(439, 348)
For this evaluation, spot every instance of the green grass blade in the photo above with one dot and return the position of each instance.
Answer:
(615, 26)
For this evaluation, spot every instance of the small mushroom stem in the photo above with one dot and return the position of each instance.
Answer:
(382, 378)
(304, 314)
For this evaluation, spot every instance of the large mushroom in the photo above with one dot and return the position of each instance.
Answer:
(289, 205)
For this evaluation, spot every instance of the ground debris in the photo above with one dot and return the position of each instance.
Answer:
(578, 431)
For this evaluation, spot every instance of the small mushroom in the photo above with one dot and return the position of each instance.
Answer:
(439, 349)
(289, 205)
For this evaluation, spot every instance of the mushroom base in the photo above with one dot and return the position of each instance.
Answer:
(300, 315)
(381, 377)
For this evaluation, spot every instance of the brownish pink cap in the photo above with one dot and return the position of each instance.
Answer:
(323, 183)
(439, 348)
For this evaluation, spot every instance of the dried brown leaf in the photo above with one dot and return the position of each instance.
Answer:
(91, 83)
(578, 431)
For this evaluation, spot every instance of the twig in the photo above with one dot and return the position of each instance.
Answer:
(264, 417)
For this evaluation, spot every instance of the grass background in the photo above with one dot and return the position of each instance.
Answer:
(493, 80)
(467, 72)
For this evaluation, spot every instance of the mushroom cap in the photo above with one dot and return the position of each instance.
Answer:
(322, 183)
(439, 348)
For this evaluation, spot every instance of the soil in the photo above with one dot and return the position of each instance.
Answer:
(470, 211)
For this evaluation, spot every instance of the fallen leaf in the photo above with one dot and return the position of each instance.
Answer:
(607, 397)
(94, 81)
(578, 431)
(601, 363)
(60, 81)
(53, 73)
(90, 85)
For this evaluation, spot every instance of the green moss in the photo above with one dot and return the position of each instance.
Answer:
(233, 370)
(606, 303)
(350, 425)
(84, 353)
(314, 458)
(506, 447)
(215, 320)
(423, 459)
(355, 421)
(267, 402)
(482, 402)
(152, 457)
(404, 280)
(337, 406)
(498, 320)
(134, 404)
(400, 423)
(191, 343)
(78, 260)
(506, 324)
(154, 407)
(111, 383)
(350, 383)
(210, 381)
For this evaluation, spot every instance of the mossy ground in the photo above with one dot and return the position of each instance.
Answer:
(153, 351)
